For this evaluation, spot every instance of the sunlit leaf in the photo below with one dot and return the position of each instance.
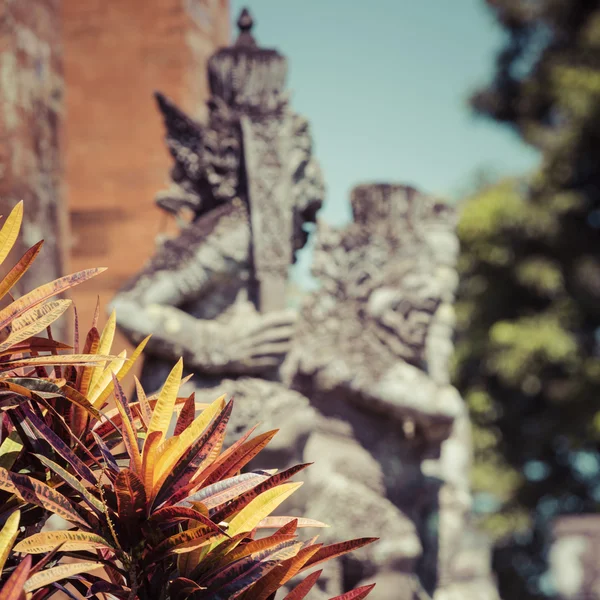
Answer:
(176, 481)
(222, 491)
(129, 434)
(163, 411)
(185, 541)
(149, 459)
(10, 230)
(10, 449)
(266, 543)
(144, 409)
(244, 499)
(40, 543)
(64, 571)
(43, 292)
(184, 442)
(283, 573)
(260, 507)
(8, 535)
(34, 321)
(127, 365)
(72, 395)
(276, 522)
(234, 578)
(106, 378)
(49, 361)
(35, 344)
(104, 346)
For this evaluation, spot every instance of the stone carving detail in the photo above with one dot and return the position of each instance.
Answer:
(392, 446)
(383, 286)
(359, 386)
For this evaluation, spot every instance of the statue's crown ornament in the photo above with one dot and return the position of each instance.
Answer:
(247, 77)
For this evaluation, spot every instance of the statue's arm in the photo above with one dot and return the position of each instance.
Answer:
(187, 269)
(182, 269)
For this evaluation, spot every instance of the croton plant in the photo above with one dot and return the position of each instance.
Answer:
(141, 514)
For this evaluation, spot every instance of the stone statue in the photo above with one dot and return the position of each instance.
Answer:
(360, 383)
(242, 187)
(392, 446)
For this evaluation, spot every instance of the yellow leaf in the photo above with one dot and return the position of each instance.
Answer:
(165, 450)
(163, 411)
(106, 378)
(72, 541)
(10, 230)
(43, 292)
(60, 359)
(35, 320)
(174, 452)
(129, 434)
(10, 449)
(201, 422)
(122, 373)
(8, 535)
(149, 454)
(263, 505)
(105, 345)
(54, 574)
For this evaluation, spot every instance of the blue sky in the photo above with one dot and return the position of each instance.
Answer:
(385, 85)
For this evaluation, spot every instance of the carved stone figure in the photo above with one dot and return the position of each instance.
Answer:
(364, 390)
(242, 187)
(371, 351)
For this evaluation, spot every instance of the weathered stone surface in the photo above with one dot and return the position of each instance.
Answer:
(574, 566)
(31, 116)
(371, 351)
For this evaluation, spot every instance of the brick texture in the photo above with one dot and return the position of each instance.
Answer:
(116, 53)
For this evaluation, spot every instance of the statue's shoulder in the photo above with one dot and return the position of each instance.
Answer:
(227, 221)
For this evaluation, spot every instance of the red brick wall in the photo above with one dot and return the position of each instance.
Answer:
(116, 53)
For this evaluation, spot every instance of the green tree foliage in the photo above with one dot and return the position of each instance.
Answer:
(527, 357)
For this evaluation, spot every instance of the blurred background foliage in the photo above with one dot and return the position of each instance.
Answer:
(527, 357)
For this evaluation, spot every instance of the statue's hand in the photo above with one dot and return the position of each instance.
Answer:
(257, 343)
